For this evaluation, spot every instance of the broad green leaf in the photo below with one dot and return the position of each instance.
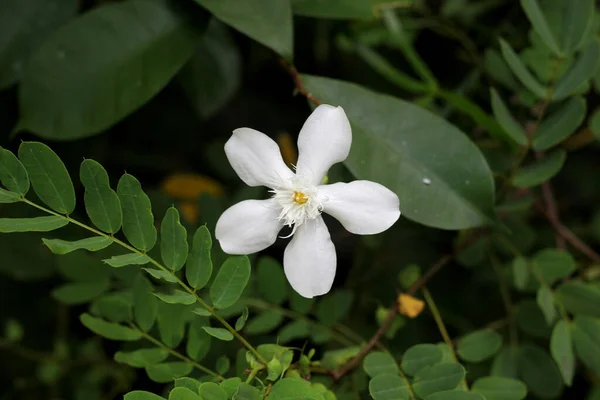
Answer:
(455, 395)
(138, 221)
(579, 298)
(292, 389)
(13, 174)
(479, 345)
(540, 24)
(437, 378)
(182, 393)
(214, 73)
(498, 388)
(521, 71)
(334, 9)
(269, 22)
(541, 170)
(247, 392)
(160, 274)
(389, 387)
(561, 349)
(9, 197)
(506, 120)
(505, 363)
(201, 311)
(49, 176)
(231, 280)
(586, 339)
(198, 341)
(499, 70)
(301, 304)
(88, 75)
(212, 391)
(141, 358)
(394, 143)
(189, 383)
(553, 264)
(109, 330)
(94, 243)
(582, 70)
(219, 333)
(378, 363)
(545, 301)
(539, 372)
(241, 321)
(37, 224)
(81, 267)
(127, 259)
(334, 307)
(25, 24)
(199, 264)
(171, 323)
(264, 322)
(230, 386)
(222, 365)
(531, 319)
(115, 306)
(420, 356)
(576, 25)
(177, 297)
(173, 242)
(297, 329)
(145, 305)
(80, 292)
(561, 124)
(272, 284)
(141, 395)
(334, 359)
(167, 372)
(520, 272)
(101, 202)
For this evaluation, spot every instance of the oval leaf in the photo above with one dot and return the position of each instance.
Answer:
(541, 170)
(109, 330)
(583, 70)
(199, 263)
(586, 338)
(579, 298)
(561, 349)
(539, 371)
(101, 202)
(560, 125)
(138, 221)
(80, 292)
(13, 174)
(95, 243)
(141, 358)
(8, 197)
(521, 71)
(540, 24)
(145, 307)
(498, 388)
(173, 243)
(437, 378)
(506, 120)
(420, 356)
(141, 395)
(272, 284)
(219, 333)
(480, 345)
(378, 363)
(231, 280)
(389, 387)
(177, 297)
(127, 259)
(37, 224)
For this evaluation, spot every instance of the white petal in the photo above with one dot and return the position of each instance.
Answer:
(324, 140)
(309, 259)
(248, 227)
(363, 207)
(256, 158)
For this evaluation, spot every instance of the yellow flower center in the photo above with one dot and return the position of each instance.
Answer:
(300, 198)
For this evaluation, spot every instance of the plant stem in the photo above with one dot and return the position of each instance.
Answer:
(505, 293)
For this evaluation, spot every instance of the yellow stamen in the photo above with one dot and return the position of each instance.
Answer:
(300, 198)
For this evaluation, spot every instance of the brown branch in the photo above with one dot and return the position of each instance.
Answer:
(300, 88)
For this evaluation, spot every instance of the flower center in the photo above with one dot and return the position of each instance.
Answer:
(298, 203)
(300, 198)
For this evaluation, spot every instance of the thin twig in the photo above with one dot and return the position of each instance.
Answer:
(300, 88)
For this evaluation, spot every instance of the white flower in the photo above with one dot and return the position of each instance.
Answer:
(363, 207)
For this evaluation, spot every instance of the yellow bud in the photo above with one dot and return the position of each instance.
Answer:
(410, 306)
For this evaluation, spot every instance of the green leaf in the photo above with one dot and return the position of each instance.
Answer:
(586, 339)
(222, 365)
(231, 280)
(531, 319)
(177, 297)
(541, 170)
(520, 272)
(102, 66)
(301, 304)
(437, 378)
(13, 174)
(505, 363)
(579, 298)
(173, 243)
(145, 305)
(162, 275)
(455, 395)
(182, 393)
(141, 395)
(241, 321)
(269, 22)
(577, 25)
(138, 221)
(297, 329)
(334, 307)
(479, 345)
(388, 387)
(171, 323)
(545, 301)
(199, 264)
(101, 202)
(394, 143)
(94, 243)
(114, 306)
(560, 125)
(141, 358)
(539, 372)
(230, 386)
(167, 372)
(264, 322)
(582, 70)
(521, 71)
(8, 197)
(37, 224)
(25, 25)
(553, 264)
(334, 9)
(292, 389)
(189, 383)
(420, 356)
(498, 388)
(127, 259)
(201, 311)
(81, 267)
(272, 284)
(212, 391)
(49, 176)
(540, 24)
(109, 330)
(219, 333)
(247, 392)
(378, 363)
(198, 341)
(80, 292)
(506, 120)
(561, 349)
